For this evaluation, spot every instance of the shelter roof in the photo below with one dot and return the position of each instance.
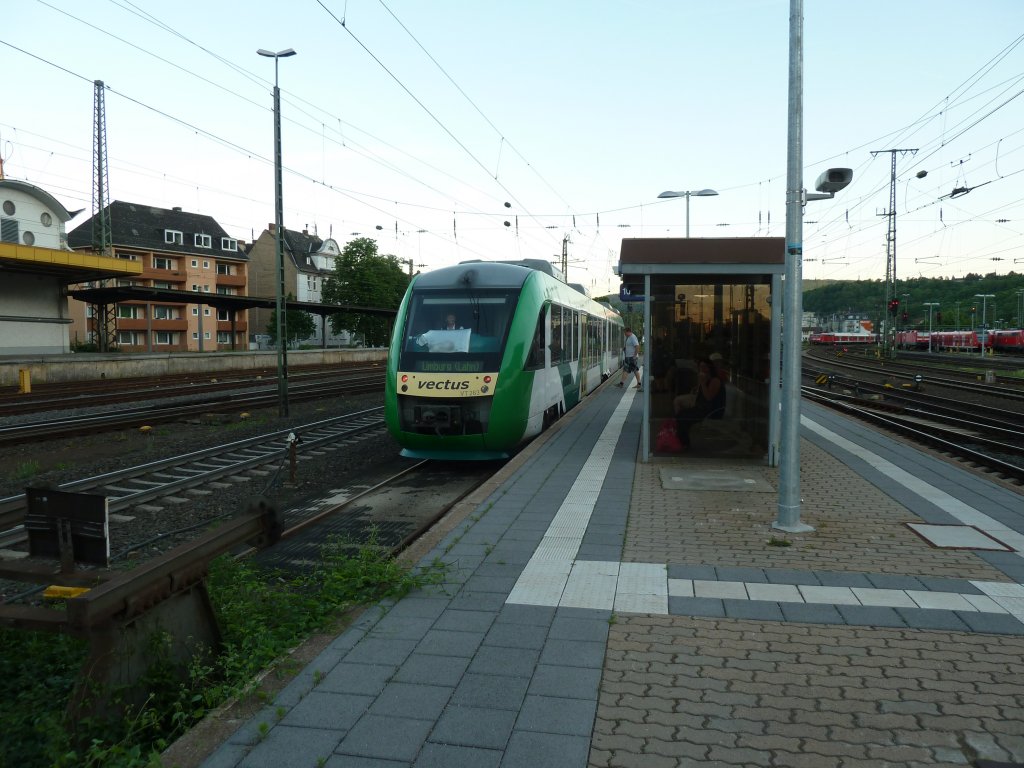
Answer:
(68, 266)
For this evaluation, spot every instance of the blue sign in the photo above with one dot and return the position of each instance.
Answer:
(625, 295)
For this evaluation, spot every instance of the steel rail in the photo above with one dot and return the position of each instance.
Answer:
(154, 414)
(939, 437)
(199, 467)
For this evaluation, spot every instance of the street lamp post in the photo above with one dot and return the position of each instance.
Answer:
(687, 194)
(830, 182)
(282, 326)
(931, 305)
(984, 321)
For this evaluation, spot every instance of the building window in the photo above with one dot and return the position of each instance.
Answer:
(223, 337)
(125, 256)
(174, 237)
(161, 312)
(203, 241)
(28, 238)
(223, 269)
(9, 208)
(228, 244)
(159, 262)
(161, 284)
(206, 264)
(9, 230)
(206, 335)
(163, 338)
(195, 287)
(128, 338)
(45, 219)
(195, 335)
(206, 289)
(224, 291)
(223, 314)
(206, 311)
(128, 311)
(195, 311)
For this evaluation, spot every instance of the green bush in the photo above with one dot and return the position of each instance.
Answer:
(262, 615)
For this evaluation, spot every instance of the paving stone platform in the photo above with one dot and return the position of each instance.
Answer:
(601, 611)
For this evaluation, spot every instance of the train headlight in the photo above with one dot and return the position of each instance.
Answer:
(487, 379)
(405, 378)
(485, 389)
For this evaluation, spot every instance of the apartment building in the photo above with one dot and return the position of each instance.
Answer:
(178, 251)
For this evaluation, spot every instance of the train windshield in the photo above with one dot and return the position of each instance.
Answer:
(455, 332)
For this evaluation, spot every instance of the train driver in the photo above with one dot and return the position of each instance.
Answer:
(451, 324)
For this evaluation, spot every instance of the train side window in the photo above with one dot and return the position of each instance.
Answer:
(535, 356)
(556, 335)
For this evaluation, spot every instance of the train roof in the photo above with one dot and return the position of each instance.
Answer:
(474, 274)
(489, 274)
(478, 274)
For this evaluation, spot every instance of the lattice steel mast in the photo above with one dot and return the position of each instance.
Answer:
(104, 315)
(889, 342)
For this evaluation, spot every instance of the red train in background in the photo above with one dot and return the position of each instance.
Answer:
(831, 337)
(1008, 341)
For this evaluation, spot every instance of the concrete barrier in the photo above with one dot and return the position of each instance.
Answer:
(86, 366)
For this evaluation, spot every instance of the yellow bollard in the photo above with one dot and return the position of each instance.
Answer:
(24, 381)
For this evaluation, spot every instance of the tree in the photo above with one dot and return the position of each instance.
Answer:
(298, 325)
(364, 278)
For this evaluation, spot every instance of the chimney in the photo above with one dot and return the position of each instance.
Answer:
(270, 227)
(177, 208)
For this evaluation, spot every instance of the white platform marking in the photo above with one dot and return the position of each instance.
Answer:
(553, 576)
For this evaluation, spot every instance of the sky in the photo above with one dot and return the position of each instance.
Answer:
(456, 130)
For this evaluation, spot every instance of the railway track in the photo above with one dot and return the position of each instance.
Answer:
(106, 392)
(134, 490)
(63, 425)
(861, 370)
(997, 449)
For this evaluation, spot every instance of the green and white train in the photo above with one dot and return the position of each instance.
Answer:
(486, 355)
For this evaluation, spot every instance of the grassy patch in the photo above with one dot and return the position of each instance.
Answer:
(262, 615)
(26, 470)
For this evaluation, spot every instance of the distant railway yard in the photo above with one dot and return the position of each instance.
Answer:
(969, 407)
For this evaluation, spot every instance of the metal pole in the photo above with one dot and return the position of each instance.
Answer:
(931, 306)
(687, 215)
(282, 324)
(789, 468)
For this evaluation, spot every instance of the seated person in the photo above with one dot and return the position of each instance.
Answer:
(706, 400)
(723, 370)
(451, 324)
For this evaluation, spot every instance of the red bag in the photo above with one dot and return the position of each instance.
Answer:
(668, 440)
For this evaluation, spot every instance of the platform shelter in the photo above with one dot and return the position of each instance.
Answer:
(708, 299)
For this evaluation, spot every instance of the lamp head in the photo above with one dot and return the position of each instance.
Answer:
(688, 193)
(278, 55)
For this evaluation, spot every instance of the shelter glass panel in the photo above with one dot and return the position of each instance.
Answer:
(720, 326)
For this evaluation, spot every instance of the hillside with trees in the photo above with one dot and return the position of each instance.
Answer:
(958, 300)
